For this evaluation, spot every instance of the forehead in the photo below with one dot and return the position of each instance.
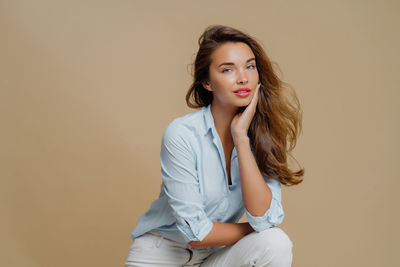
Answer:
(236, 53)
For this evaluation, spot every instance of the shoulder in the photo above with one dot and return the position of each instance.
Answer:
(185, 128)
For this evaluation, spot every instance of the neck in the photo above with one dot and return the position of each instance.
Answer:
(223, 116)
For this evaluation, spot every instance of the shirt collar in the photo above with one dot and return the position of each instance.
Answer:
(208, 119)
(210, 126)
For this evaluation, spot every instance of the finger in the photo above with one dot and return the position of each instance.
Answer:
(257, 92)
(255, 96)
(251, 108)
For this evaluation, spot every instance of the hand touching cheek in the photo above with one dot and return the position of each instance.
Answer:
(241, 122)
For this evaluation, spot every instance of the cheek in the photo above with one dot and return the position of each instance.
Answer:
(225, 81)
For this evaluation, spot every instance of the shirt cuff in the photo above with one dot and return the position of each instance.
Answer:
(195, 228)
(272, 217)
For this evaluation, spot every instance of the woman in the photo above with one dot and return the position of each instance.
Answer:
(224, 160)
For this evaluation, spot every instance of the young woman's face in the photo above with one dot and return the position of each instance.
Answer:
(233, 75)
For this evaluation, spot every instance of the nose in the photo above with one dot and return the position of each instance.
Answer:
(241, 79)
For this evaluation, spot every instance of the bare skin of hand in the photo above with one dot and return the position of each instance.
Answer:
(241, 122)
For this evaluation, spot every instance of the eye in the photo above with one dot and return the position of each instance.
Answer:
(226, 70)
(251, 66)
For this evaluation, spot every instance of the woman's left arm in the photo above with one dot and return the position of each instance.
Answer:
(257, 195)
(258, 198)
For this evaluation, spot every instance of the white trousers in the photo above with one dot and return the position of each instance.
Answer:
(269, 248)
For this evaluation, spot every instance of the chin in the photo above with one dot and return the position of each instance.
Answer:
(244, 103)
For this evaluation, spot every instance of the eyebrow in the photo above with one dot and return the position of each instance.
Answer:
(231, 63)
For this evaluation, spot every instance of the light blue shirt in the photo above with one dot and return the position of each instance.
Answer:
(195, 191)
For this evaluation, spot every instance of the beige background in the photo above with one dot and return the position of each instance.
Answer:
(88, 87)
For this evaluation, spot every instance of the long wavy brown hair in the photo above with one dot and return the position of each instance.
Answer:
(278, 119)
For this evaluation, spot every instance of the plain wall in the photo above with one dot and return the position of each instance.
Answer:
(88, 87)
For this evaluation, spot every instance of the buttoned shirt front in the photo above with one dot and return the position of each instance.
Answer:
(195, 191)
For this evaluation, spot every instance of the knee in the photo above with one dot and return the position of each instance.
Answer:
(275, 242)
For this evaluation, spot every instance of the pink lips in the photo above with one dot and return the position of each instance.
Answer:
(242, 92)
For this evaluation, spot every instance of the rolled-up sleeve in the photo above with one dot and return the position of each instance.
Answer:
(274, 215)
(181, 185)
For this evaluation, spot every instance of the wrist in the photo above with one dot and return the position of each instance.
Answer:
(247, 228)
(241, 140)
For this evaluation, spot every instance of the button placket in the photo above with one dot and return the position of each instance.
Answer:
(233, 156)
(218, 144)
